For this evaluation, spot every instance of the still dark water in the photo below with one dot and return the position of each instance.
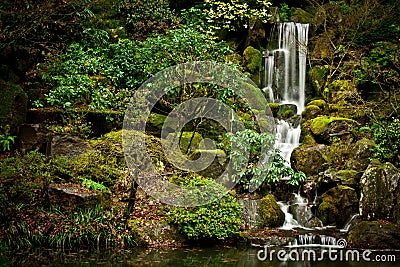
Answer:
(211, 256)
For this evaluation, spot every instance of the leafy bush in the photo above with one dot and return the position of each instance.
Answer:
(234, 15)
(386, 135)
(217, 220)
(105, 76)
(251, 142)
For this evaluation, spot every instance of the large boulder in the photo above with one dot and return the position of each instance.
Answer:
(380, 192)
(343, 177)
(362, 155)
(324, 128)
(309, 159)
(375, 235)
(270, 213)
(338, 204)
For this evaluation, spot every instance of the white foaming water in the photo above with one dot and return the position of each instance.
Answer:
(285, 69)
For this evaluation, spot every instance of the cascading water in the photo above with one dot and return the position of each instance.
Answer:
(285, 73)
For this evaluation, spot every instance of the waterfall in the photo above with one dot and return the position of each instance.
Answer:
(285, 72)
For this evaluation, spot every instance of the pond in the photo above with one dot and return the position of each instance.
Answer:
(209, 256)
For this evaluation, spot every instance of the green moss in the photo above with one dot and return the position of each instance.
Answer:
(274, 108)
(234, 58)
(327, 212)
(319, 103)
(348, 177)
(270, 213)
(254, 96)
(301, 15)
(252, 59)
(318, 124)
(311, 112)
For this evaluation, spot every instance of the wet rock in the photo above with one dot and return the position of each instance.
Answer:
(69, 197)
(362, 155)
(380, 192)
(287, 110)
(13, 107)
(68, 146)
(33, 136)
(309, 158)
(374, 235)
(324, 128)
(270, 213)
(337, 205)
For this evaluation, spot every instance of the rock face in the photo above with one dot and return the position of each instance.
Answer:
(337, 205)
(380, 192)
(270, 213)
(70, 197)
(308, 159)
(68, 146)
(343, 177)
(374, 235)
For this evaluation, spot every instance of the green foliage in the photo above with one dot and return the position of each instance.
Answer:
(234, 15)
(6, 141)
(90, 184)
(217, 220)
(104, 76)
(251, 142)
(284, 12)
(386, 135)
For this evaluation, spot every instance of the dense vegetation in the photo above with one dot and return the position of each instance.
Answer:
(85, 57)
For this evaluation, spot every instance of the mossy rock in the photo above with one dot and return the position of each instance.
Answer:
(252, 59)
(324, 128)
(338, 204)
(274, 108)
(319, 103)
(362, 155)
(13, 107)
(234, 58)
(311, 112)
(374, 235)
(342, 177)
(380, 192)
(254, 96)
(309, 159)
(189, 141)
(301, 16)
(270, 213)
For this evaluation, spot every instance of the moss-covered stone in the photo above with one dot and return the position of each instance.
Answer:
(319, 103)
(374, 235)
(301, 16)
(311, 112)
(252, 59)
(309, 159)
(270, 213)
(343, 177)
(234, 58)
(362, 154)
(13, 107)
(274, 108)
(254, 97)
(338, 204)
(325, 127)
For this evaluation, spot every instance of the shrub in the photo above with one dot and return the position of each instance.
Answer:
(215, 221)
(234, 15)
(386, 135)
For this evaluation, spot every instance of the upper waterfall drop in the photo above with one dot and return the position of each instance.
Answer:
(285, 78)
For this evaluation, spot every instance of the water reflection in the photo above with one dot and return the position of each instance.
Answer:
(212, 256)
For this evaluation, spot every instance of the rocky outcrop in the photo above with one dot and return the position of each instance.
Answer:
(68, 146)
(343, 177)
(380, 192)
(309, 159)
(34, 136)
(270, 213)
(69, 197)
(374, 235)
(338, 204)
